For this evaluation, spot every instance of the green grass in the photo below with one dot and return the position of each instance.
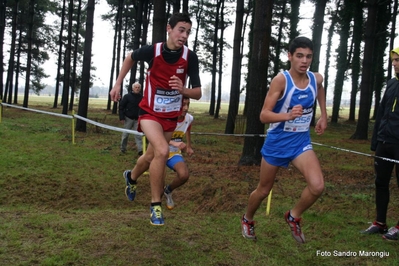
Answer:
(64, 204)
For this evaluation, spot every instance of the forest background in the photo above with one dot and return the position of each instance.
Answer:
(63, 204)
(363, 32)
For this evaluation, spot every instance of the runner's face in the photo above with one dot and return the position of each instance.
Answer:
(186, 105)
(301, 59)
(178, 36)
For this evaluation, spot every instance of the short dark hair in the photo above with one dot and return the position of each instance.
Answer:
(300, 42)
(179, 17)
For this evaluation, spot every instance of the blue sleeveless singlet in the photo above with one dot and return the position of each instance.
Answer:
(288, 139)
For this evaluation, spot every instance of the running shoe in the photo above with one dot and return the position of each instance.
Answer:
(392, 233)
(248, 229)
(375, 228)
(130, 190)
(295, 228)
(156, 215)
(169, 200)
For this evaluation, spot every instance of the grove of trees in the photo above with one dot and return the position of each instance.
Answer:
(32, 31)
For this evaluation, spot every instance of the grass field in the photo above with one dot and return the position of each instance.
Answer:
(64, 204)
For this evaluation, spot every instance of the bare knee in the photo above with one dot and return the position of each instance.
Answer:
(147, 157)
(316, 188)
(261, 192)
(183, 177)
(162, 153)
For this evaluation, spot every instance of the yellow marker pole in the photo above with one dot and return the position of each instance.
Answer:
(144, 143)
(269, 200)
(145, 149)
(73, 126)
(1, 110)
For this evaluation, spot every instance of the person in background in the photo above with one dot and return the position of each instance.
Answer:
(170, 64)
(129, 115)
(288, 107)
(385, 143)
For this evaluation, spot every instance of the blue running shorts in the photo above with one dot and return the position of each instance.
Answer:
(174, 160)
(288, 155)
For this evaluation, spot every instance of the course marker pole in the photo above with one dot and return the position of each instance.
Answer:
(144, 143)
(269, 200)
(145, 149)
(73, 126)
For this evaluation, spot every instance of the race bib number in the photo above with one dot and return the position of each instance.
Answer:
(166, 101)
(299, 124)
(177, 137)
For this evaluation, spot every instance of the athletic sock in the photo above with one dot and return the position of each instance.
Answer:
(155, 204)
(290, 217)
(129, 177)
(167, 189)
(246, 220)
(381, 224)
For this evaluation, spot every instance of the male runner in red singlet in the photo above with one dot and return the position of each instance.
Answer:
(170, 64)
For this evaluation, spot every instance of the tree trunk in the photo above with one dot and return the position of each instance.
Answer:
(136, 38)
(60, 48)
(176, 6)
(10, 73)
(2, 29)
(118, 49)
(357, 40)
(342, 58)
(383, 20)
(280, 34)
(144, 34)
(17, 68)
(294, 18)
(185, 6)
(258, 81)
(392, 35)
(159, 22)
(29, 52)
(75, 56)
(330, 34)
(367, 80)
(220, 71)
(317, 33)
(67, 61)
(214, 59)
(235, 70)
(113, 67)
(84, 90)
(199, 17)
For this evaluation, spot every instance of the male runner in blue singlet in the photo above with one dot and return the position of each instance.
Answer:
(288, 107)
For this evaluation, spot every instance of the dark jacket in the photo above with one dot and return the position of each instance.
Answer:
(129, 106)
(386, 127)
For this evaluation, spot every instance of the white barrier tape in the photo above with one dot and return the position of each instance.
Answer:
(360, 153)
(193, 133)
(233, 135)
(77, 116)
(109, 127)
(315, 143)
(37, 111)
